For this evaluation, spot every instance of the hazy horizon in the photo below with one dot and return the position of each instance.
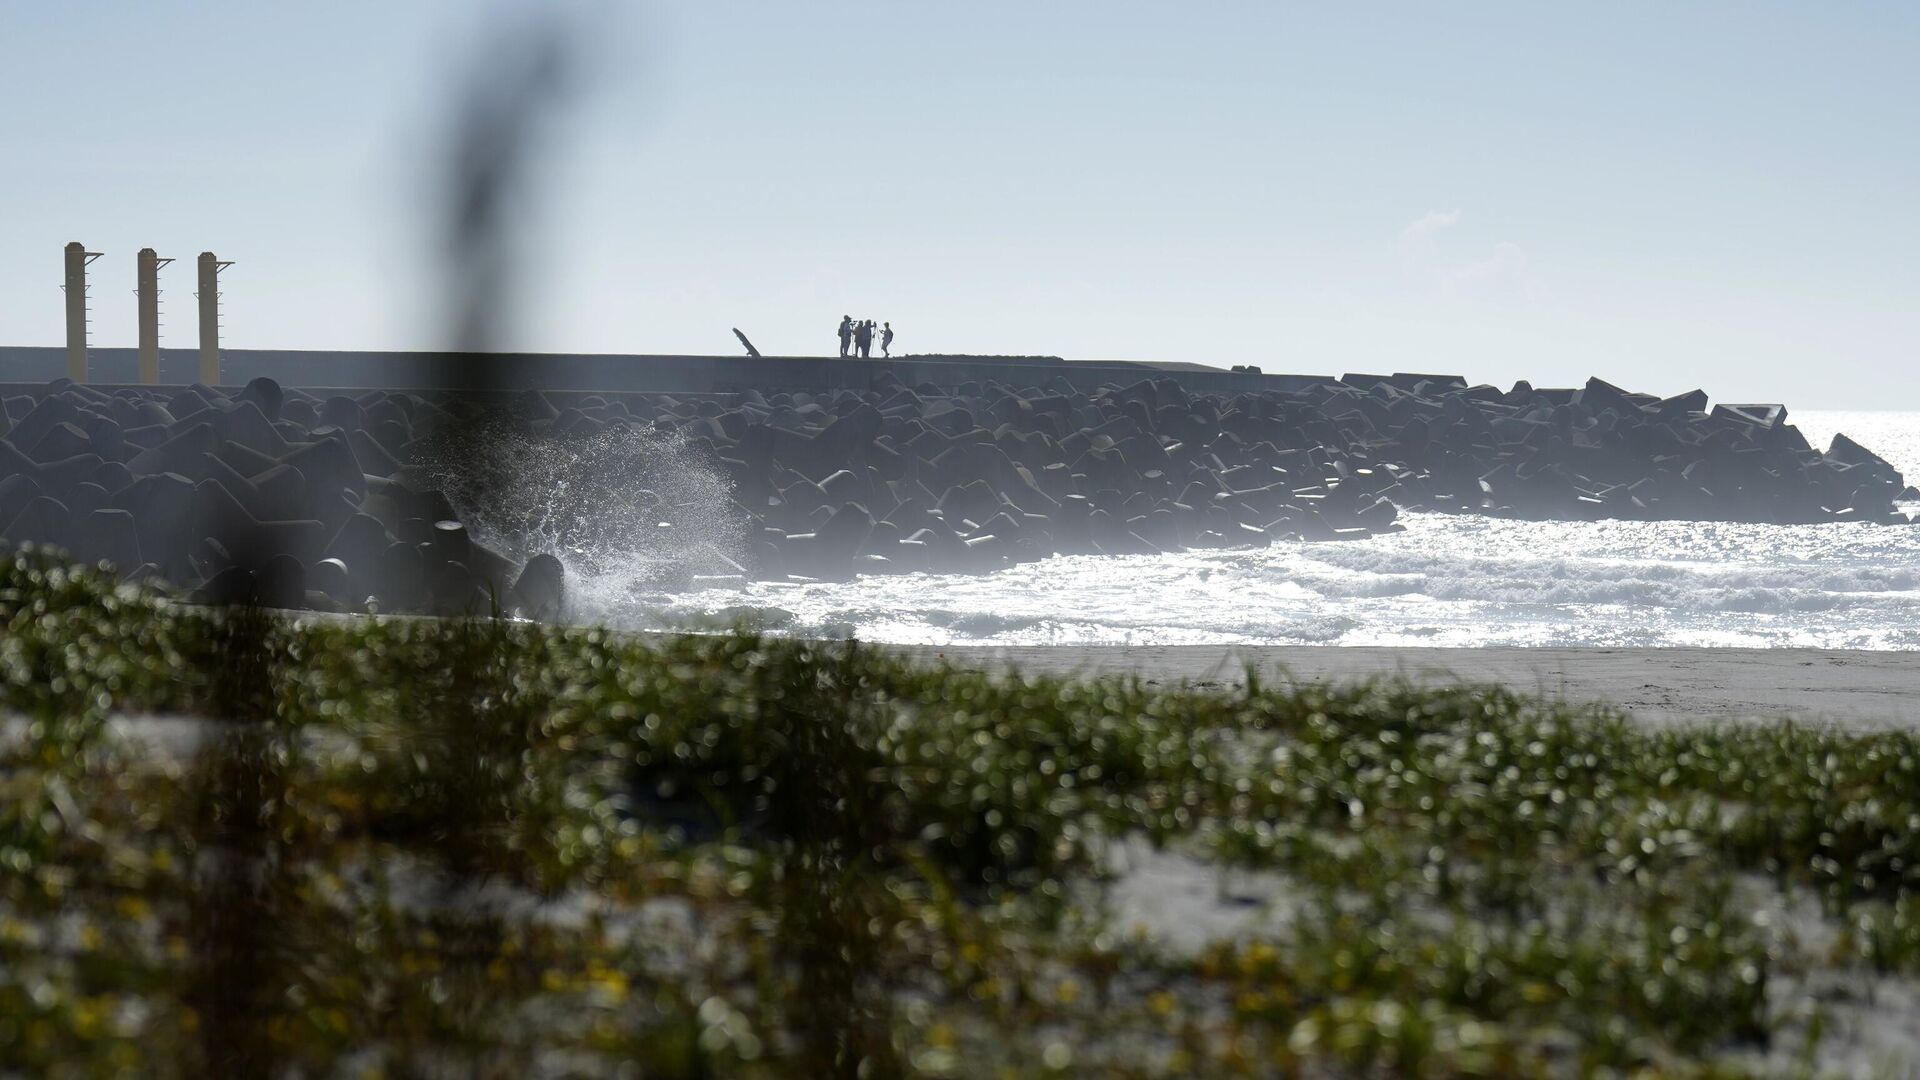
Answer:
(1716, 196)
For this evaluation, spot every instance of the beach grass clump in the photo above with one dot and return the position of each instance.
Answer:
(254, 845)
(1884, 935)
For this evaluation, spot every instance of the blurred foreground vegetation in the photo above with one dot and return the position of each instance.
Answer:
(239, 845)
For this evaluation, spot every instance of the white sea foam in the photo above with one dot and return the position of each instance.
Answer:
(1446, 580)
(628, 511)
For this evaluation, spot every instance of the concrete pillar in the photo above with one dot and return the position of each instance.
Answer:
(209, 295)
(78, 257)
(147, 284)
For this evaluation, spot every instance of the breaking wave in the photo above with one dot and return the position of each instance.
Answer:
(1446, 580)
(1701, 586)
(632, 513)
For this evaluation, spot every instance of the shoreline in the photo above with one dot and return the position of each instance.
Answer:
(1853, 689)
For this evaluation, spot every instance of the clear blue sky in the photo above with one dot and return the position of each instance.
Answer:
(1667, 195)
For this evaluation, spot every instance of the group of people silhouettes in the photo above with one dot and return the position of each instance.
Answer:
(858, 337)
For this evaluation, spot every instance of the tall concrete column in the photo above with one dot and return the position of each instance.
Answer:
(77, 260)
(147, 284)
(209, 295)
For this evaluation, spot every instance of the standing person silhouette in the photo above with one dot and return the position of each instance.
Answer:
(846, 334)
(863, 337)
(886, 339)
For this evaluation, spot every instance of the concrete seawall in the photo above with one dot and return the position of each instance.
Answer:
(314, 495)
(315, 369)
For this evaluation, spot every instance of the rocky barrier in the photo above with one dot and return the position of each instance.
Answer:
(283, 497)
(315, 500)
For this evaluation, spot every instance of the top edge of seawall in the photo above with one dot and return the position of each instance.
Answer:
(616, 372)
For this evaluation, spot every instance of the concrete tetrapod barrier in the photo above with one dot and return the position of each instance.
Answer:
(891, 479)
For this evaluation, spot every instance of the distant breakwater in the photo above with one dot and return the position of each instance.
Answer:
(336, 500)
(315, 369)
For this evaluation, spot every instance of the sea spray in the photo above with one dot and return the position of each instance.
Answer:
(1448, 580)
(1459, 580)
(630, 512)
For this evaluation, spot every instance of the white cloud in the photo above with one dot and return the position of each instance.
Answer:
(1422, 229)
(1417, 241)
(1503, 275)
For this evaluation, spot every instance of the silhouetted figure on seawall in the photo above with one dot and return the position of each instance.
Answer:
(846, 334)
(886, 339)
(863, 337)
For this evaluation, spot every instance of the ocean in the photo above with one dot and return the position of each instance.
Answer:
(1446, 581)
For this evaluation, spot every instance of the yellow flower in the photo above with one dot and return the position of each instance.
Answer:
(609, 981)
(88, 1014)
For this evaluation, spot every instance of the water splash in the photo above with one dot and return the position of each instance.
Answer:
(1446, 581)
(633, 513)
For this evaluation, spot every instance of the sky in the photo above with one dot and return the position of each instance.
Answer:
(1718, 195)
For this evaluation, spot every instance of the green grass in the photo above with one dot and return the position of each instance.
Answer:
(412, 848)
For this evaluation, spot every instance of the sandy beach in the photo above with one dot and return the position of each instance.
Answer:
(1855, 689)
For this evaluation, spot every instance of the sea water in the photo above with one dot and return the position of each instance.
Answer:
(1446, 581)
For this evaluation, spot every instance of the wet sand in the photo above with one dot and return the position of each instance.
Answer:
(1855, 689)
